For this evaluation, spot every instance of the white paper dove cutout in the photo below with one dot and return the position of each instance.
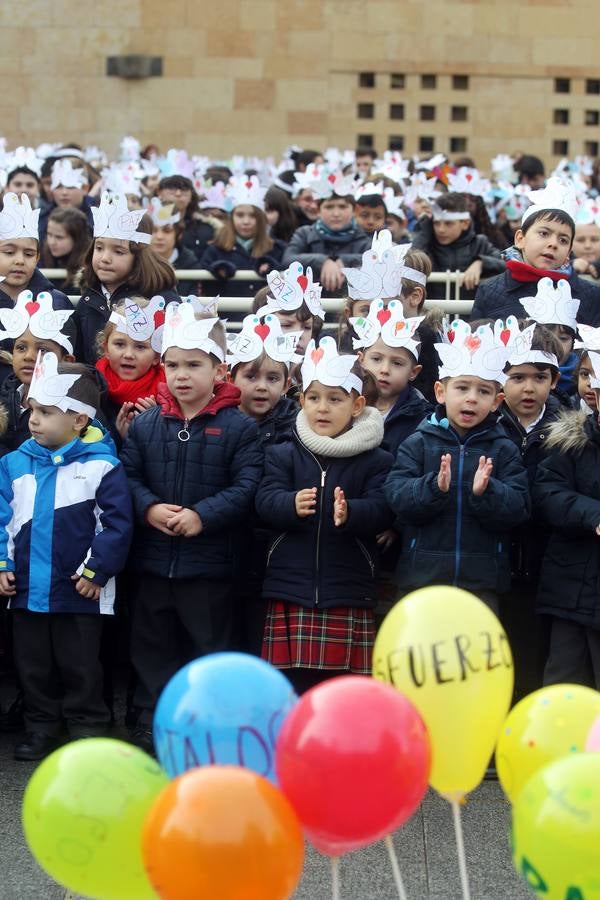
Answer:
(480, 354)
(48, 388)
(38, 316)
(18, 219)
(558, 194)
(65, 175)
(380, 275)
(590, 338)
(113, 219)
(257, 336)
(389, 325)
(244, 190)
(182, 329)
(421, 188)
(518, 343)
(589, 212)
(552, 305)
(142, 323)
(370, 189)
(468, 181)
(162, 213)
(290, 289)
(213, 195)
(594, 359)
(324, 183)
(394, 203)
(325, 365)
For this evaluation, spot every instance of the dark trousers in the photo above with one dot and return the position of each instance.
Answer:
(58, 662)
(528, 635)
(574, 656)
(175, 620)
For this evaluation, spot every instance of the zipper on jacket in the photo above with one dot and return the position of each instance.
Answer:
(459, 498)
(318, 550)
(274, 547)
(174, 555)
(367, 556)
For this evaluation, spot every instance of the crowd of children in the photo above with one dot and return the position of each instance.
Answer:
(275, 487)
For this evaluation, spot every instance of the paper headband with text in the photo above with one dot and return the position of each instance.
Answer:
(552, 305)
(113, 219)
(389, 325)
(142, 323)
(48, 388)
(290, 289)
(259, 336)
(39, 316)
(325, 365)
(481, 354)
(518, 343)
(182, 329)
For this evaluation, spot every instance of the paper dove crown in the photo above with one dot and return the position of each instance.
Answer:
(400, 252)
(162, 214)
(122, 178)
(518, 343)
(49, 388)
(182, 329)
(389, 325)
(324, 183)
(589, 213)
(142, 323)
(382, 270)
(594, 358)
(393, 203)
(64, 175)
(327, 367)
(558, 194)
(290, 289)
(590, 338)
(256, 337)
(113, 219)
(480, 354)
(18, 219)
(468, 181)
(422, 188)
(552, 305)
(38, 316)
(370, 189)
(244, 190)
(446, 215)
(213, 195)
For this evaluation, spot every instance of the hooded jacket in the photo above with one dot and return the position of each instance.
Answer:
(63, 512)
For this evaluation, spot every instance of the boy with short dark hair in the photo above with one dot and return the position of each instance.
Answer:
(371, 211)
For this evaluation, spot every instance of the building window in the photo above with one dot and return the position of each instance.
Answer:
(426, 144)
(396, 110)
(561, 117)
(365, 140)
(427, 113)
(562, 85)
(459, 113)
(458, 145)
(428, 82)
(592, 86)
(365, 110)
(590, 148)
(460, 82)
(396, 142)
(560, 148)
(397, 81)
(592, 117)
(366, 79)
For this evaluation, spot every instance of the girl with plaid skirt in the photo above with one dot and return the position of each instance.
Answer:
(322, 494)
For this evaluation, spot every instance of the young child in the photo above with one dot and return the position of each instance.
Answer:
(323, 492)
(450, 241)
(586, 244)
(198, 229)
(458, 485)
(295, 299)
(118, 264)
(193, 464)
(130, 364)
(335, 240)
(59, 555)
(69, 190)
(67, 242)
(167, 234)
(24, 180)
(585, 399)
(567, 496)
(371, 211)
(243, 242)
(542, 247)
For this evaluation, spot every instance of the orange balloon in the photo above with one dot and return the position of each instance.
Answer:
(222, 833)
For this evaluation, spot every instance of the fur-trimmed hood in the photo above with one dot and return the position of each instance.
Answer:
(571, 431)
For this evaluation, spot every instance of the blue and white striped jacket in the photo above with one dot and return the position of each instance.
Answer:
(63, 512)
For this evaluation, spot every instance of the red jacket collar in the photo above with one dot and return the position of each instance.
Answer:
(225, 395)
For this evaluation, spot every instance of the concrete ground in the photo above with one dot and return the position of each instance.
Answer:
(425, 848)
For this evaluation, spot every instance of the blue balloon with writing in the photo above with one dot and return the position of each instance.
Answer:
(222, 709)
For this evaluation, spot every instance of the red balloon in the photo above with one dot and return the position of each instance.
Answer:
(353, 757)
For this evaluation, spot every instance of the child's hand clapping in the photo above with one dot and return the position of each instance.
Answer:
(340, 508)
(445, 473)
(482, 476)
(129, 410)
(7, 584)
(306, 502)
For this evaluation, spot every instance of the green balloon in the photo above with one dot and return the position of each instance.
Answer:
(556, 829)
(83, 814)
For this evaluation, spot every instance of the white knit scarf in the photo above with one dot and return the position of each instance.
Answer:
(365, 434)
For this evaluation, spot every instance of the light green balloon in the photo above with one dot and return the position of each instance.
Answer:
(556, 829)
(83, 814)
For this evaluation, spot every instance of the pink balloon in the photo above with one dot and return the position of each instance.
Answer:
(593, 739)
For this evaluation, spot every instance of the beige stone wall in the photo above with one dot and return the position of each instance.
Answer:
(252, 76)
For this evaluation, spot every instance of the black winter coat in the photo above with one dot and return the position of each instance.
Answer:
(567, 495)
(311, 562)
(196, 237)
(455, 537)
(499, 297)
(404, 417)
(215, 259)
(215, 473)
(310, 248)
(186, 260)
(278, 425)
(37, 284)
(457, 255)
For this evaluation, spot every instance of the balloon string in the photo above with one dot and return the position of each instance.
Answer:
(460, 848)
(389, 843)
(335, 878)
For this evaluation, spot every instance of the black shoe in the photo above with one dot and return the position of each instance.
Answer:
(141, 736)
(12, 719)
(36, 745)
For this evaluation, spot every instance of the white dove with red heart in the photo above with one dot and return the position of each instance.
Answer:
(468, 181)
(113, 219)
(182, 329)
(258, 336)
(325, 365)
(324, 183)
(244, 190)
(480, 354)
(18, 219)
(290, 289)
(48, 388)
(44, 322)
(519, 343)
(389, 325)
(142, 323)
(552, 305)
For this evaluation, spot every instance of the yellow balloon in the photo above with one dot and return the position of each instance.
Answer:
(447, 652)
(546, 725)
(556, 829)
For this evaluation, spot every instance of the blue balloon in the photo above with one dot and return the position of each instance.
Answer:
(224, 709)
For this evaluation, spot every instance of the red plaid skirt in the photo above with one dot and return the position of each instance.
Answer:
(340, 639)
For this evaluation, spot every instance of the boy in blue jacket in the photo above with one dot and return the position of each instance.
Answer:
(193, 463)
(458, 485)
(65, 528)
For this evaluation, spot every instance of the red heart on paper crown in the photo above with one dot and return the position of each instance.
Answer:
(32, 307)
(451, 336)
(505, 336)
(317, 355)
(383, 315)
(248, 184)
(159, 318)
(469, 176)
(472, 343)
(303, 282)
(262, 331)
(331, 178)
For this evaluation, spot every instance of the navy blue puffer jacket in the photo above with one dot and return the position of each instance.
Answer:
(500, 297)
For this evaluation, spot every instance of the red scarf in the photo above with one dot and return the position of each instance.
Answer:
(521, 271)
(121, 391)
